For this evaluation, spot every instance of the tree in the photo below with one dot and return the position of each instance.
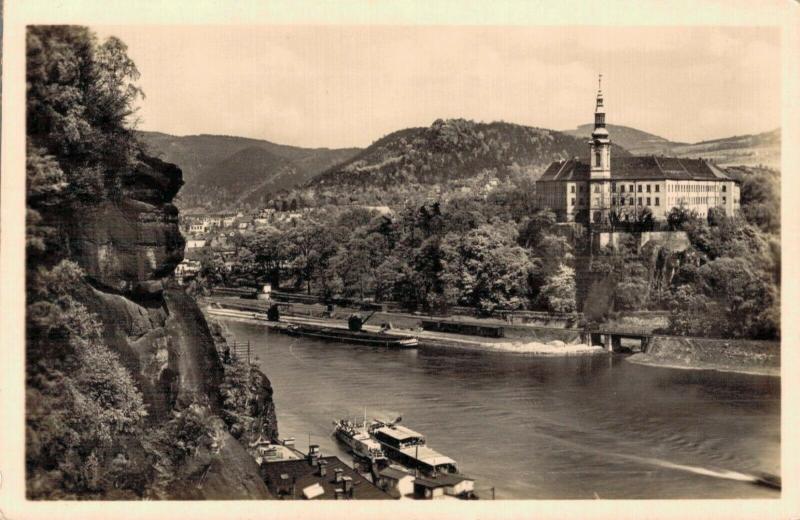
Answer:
(533, 229)
(558, 292)
(678, 216)
(485, 269)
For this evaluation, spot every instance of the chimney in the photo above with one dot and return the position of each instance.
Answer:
(313, 454)
(322, 470)
(348, 486)
(338, 493)
(284, 487)
(338, 475)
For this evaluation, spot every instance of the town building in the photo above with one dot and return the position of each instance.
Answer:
(318, 477)
(610, 189)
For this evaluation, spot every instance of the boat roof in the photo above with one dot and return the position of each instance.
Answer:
(427, 455)
(399, 432)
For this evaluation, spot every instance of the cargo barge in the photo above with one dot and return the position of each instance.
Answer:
(360, 337)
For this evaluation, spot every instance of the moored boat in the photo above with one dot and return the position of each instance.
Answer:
(357, 438)
(349, 336)
(437, 474)
(409, 448)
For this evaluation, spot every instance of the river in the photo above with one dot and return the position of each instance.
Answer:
(533, 427)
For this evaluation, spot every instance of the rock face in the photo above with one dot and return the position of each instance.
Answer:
(129, 244)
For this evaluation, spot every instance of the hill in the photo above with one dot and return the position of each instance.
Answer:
(748, 150)
(635, 141)
(762, 149)
(220, 169)
(449, 157)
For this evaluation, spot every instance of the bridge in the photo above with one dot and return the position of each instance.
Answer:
(611, 340)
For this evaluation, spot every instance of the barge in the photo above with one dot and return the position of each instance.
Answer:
(360, 337)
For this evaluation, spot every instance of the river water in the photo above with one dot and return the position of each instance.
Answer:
(533, 427)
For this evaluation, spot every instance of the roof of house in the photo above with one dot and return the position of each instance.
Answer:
(648, 167)
(441, 480)
(306, 475)
(394, 473)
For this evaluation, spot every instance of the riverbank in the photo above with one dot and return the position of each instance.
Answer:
(740, 356)
(429, 338)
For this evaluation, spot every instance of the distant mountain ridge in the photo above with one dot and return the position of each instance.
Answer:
(453, 154)
(750, 149)
(224, 170)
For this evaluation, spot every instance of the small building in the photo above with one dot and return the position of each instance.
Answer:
(195, 243)
(396, 482)
(443, 486)
(318, 478)
(197, 228)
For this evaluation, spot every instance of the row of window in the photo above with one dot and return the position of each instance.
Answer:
(651, 201)
(648, 200)
(648, 188)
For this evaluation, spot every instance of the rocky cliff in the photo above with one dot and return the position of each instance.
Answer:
(128, 246)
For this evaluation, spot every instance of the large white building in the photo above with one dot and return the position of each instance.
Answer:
(609, 188)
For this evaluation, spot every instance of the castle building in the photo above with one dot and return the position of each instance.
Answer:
(609, 189)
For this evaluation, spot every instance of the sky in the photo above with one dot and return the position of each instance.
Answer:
(342, 86)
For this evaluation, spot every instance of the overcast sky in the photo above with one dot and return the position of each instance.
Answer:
(339, 86)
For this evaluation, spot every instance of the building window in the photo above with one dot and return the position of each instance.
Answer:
(640, 200)
(597, 188)
(723, 199)
(622, 189)
(572, 189)
(622, 201)
(648, 201)
(630, 186)
(648, 188)
(656, 198)
(573, 201)
(630, 201)
(724, 187)
(657, 189)
(639, 186)
(597, 158)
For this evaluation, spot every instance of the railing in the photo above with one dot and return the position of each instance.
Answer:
(236, 351)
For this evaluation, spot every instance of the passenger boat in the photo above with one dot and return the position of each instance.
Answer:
(408, 448)
(359, 337)
(357, 438)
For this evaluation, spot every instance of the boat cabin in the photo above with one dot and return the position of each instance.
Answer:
(399, 436)
(408, 448)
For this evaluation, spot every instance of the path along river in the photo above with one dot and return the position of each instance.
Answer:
(533, 427)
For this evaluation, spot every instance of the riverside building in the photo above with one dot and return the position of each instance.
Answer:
(609, 189)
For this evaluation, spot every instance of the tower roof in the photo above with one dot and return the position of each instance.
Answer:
(599, 108)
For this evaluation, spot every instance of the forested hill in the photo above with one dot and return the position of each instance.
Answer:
(220, 169)
(446, 156)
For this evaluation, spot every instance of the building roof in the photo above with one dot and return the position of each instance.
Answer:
(646, 167)
(394, 473)
(305, 475)
(441, 480)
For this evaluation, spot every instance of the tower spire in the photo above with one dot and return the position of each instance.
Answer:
(599, 106)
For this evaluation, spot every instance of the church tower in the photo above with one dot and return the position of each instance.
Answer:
(600, 145)
(599, 164)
